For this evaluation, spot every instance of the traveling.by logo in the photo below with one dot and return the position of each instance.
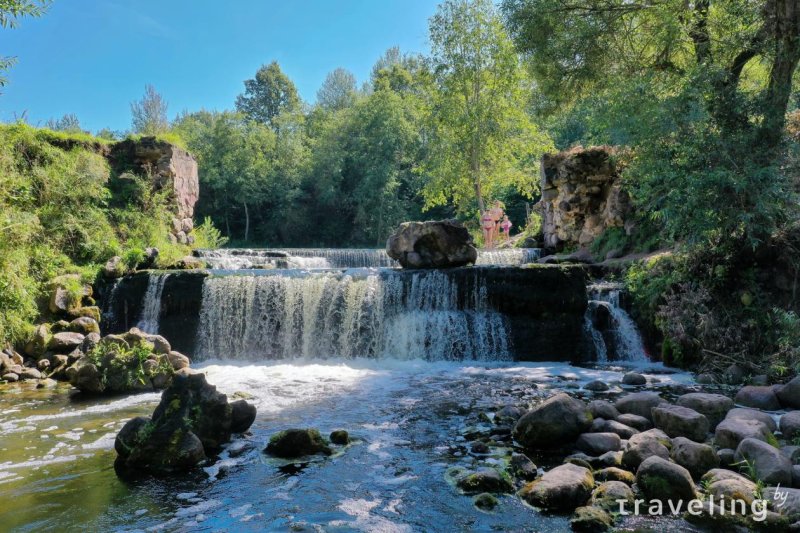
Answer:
(758, 507)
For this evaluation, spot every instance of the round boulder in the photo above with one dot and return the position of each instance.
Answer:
(557, 421)
(659, 479)
(638, 403)
(790, 425)
(713, 406)
(565, 487)
(695, 457)
(758, 397)
(432, 244)
(767, 462)
(677, 421)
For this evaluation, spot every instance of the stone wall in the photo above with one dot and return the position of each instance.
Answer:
(582, 196)
(171, 168)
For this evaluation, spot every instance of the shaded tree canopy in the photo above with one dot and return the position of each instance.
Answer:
(268, 95)
(338, 91)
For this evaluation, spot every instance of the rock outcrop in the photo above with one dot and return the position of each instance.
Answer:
(191, 423)
(432, 244)
(172, 169)
(582, 196)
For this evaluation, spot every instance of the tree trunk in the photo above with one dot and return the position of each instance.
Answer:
(787, 55)
(246, 222)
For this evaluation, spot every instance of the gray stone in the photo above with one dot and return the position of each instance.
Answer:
(591, 519)
(598, 443)
(603, 409)
(84, 325)
(612, 426)
(613, 473)
(432, 244)
(596, 386)
(160, 344)
(659, 479)
(758, 398)
(769, 464)
(607, 494)
(635, 421)
(790, 507)
(10, 377)
(792, 452)
(634, 378)
(29, 373)
(520, 466)
(484, 480)
(789, 394)
(565, 487)
(713, 406)
(753, 414)
(694, 457)
(295, 443)
(643, 446)
(727, 457)
(178, 360)
(557, 421)
(790, 425)
(731, 431)
(65, 341)
(677, 421)
(638, 403)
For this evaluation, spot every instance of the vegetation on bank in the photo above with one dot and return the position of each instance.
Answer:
(64, 210)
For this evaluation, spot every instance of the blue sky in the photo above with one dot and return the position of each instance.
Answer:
(92, 58)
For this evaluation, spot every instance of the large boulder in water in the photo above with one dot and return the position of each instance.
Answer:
(432, 244)
(296, 442)
(192, 421)
(557, 421)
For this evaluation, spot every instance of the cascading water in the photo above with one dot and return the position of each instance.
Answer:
(620, 338)
(348, 314)
(151, 306)
(316, 258)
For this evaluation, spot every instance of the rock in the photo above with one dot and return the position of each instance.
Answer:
(150, 258)
(598, 443)
(704, 379)
(565, 487)
(479, 448)
(47, 383)
(90, 311)
(678, 421)
(734, 374)
(789, 394)
(789, 507)
(612, 426)
(89, 343)
(658, 479)
(243, 414)
(509, 413)
(760, 380)
(582, 196)
(340, 437)
(612, 473)
(557, 421)
(37, 345)
(713, 406)
(643, 446)
(792, 452)
(767, 462)
(603, 409)
(43, 365)
(160, 344)
(638, 403)
(189, 263)
(432, 244)
(790, 425)
(728, 486)
(84, 325)
(66, 293)
(294, 443)
(694, 457)
(635, 421)
(484, 480)
(115, 367)
(29, 373)
(10, 377)
(752, 414)
(590, 519)
(65, 341)
(796, 476)
(607, 494)
(634, 378)
(521, 467)
(758, 397)
(192, 421)
(114, 268)
(731, 431)
(596, 386)
(177, 360)
(485, 501)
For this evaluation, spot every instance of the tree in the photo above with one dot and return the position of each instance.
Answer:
(268, 95)
(482, 137)
(338, 91)
(10, 13)
(68, 123)
(150, 113)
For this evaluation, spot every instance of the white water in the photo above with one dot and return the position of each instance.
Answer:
(350, 314)
(315, 258)
(628, 342)
(151, 306)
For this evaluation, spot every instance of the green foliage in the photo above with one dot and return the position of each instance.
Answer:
(267, 96)
(208, 236)
(11, 11)
(149, 115)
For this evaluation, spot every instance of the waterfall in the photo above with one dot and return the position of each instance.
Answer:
(318, 258)
(151, 306)
(619, 336)
(348, 314)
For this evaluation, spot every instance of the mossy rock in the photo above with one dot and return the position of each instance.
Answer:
(485, 501)
(294, 443)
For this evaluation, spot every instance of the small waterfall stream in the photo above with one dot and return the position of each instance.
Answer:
(316, 258)
(347, 314)
(612, 330)
(151, 306)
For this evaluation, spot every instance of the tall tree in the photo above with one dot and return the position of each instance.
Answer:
(268, 95)
(338, 91)
(68, 123)
(482, 137)
(10, 13)
(150, 113)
